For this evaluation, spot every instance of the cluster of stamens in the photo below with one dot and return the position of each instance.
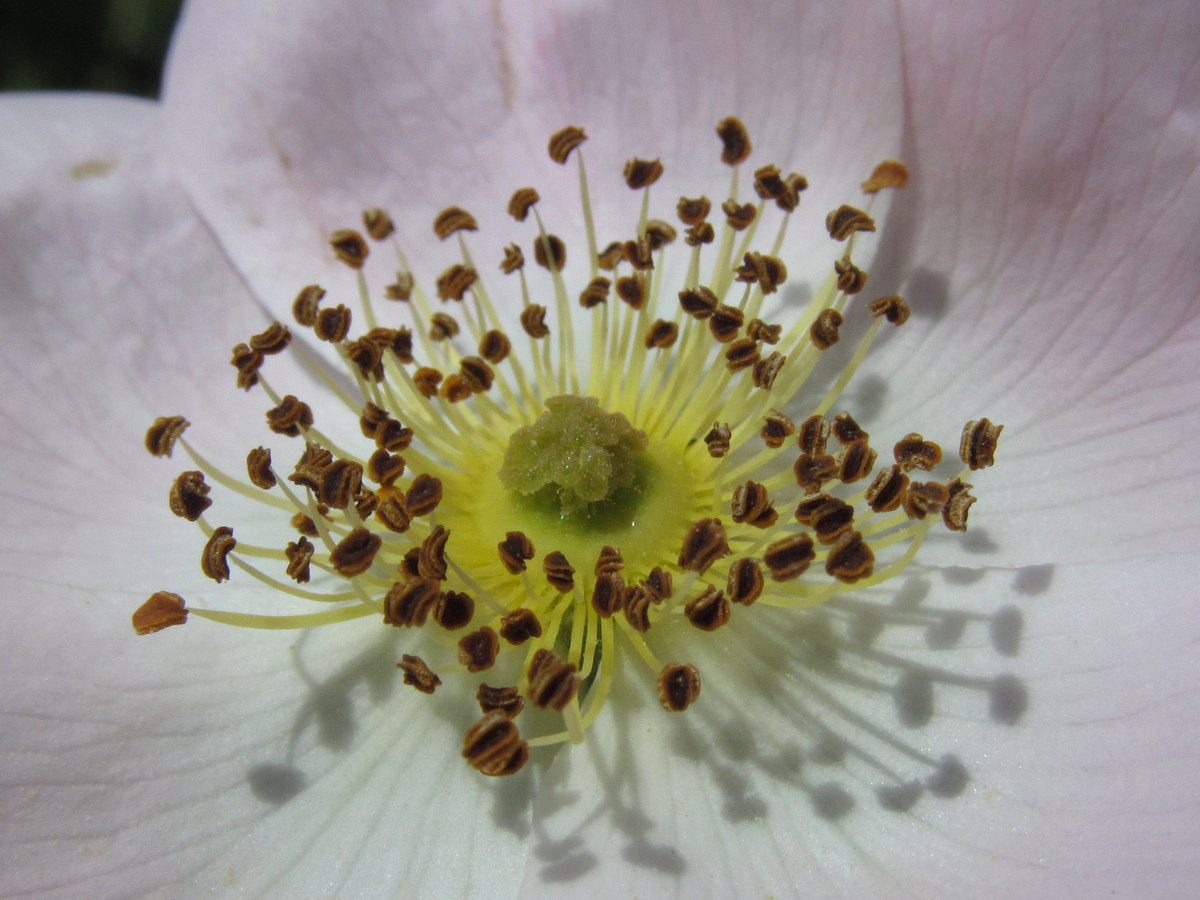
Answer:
(487, 515)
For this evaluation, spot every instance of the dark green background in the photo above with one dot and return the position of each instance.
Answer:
(94, 45)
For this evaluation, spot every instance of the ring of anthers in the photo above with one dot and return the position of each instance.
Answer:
(675, 432)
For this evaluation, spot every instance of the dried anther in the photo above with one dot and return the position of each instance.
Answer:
(776, 429)
(704, 544)
(977, 448)
(332, 324)
(384, 468)
(751, 505)
(759, 330)
(161, 436)
(595, 293)
(378, 223)
(408, 603)
(553, 682)
(736, 141)
(477, 651)
(274, 340)
(550, 252)
(519, 626)
(659, 233)
(431, 559)
(493, 746)
(495, 346)
(703, 233)
(699, 303)
(888, 174)
(341, 480)
(401, 289)
(717, 440)
(767, 370)
(214, 561)
(636, 603)
(350, 247)
(812, 471)
(693, 212)
(829, 517)
(455, 282)
(741, 354)
(710, 610)
(289, 417)
(659, 584)
(418, 674)
(639, 253)
(521, 202)
(427, 380)
(886, 492)
(442, 326)
(814, 434)
(452, 220)
(914, 452)
(515, 550)
(299, 555)
(608, 595)
(850, 278)
(768, 271)
(739, 217)
(856, 462)
(504, 699)
(533, 321)
(454, 610)
(725, 322)
(847, 431)
(355, 552)
(247, 362)
(305, 306)
(846, 220)
(424, 495)
(559, 572)
(564, 141)
(161, 611)
(789, 558)
(632, 290)
(662, 334)
(641, 173)
(958, 504)
(188, 497)
(924, 499)
(824, 331)
(746, 582)
(678, 686)
(893, 308)
(850, 559)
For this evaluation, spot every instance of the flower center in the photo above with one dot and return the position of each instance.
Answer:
(543, 517)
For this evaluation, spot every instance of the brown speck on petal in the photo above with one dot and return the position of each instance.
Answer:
(678, 686)
(161, 611)
(846, 220)
(977, 448)
(214, 561)
(418, 674)
(735, 140)
(888, 174)
(188, 497)
(350, 247)
(161, 436)
(452, 220)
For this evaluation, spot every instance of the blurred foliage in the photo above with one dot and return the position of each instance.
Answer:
(94, 45)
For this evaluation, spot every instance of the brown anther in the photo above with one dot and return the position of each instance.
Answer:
(418, 674)
(739, 216)
(258, 468)
(678, 686)
(455, 388)
(659, 233)
(636, 602)
(274, 340)
(495, 346)
(350, 247)
(725, 322)
(306, 304)
(847, 431)
(214, 561)
(693, 212)
(559, 573)
(888, 174)
(423, 496)
(736, 141)
(550, 252)
(451, 220)
(595, 293)
(391, 435)
(704, 544)
(299, 555)
(442, 326)
(366, 502)
(661, 335)
(455, 282)
(846, 220)
(829, 519)
(400, 344)
(768, 271)
(770, 184)
(478, 374)
(766, 370)
(611, 256)
(813, 470)
(856, 462)
(368, 356)
(886, 492)
(814, 435)
(247, 362)
(925, 498)
(514, 259)
(493, 745)
(639, 254)
(717, 440)
(355, 552)
(521, 202)
(789, 558)
(431, 562)
(699, 303)
(751, 505)
(710, 610)
(809, 505)
(759, 330)
(383, 468)
(188, 497)
(977, 448)
(632, 289)
(958, 504)
(746, 582)
(564, 141)
(391, 512)
(378, 223)
(333, 324)
(776, 429)
(289, 417)
(850, 278)
(502, 699)
(553, 682)
(850, 559)
(401, 289)
(304, 525)
(702, 233)
(519, 626)
(515, 550)
(533, 321)
(161, 436)
(741, 354)
(161, 611)
(608, 595)
(893, 308)
(427, 380)
(659, 584)
(408, 603)
(641, 173)
(477, 650)
(914, 452)
(824, 331)
(409, 565)
(609, 561)
(454, 610)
